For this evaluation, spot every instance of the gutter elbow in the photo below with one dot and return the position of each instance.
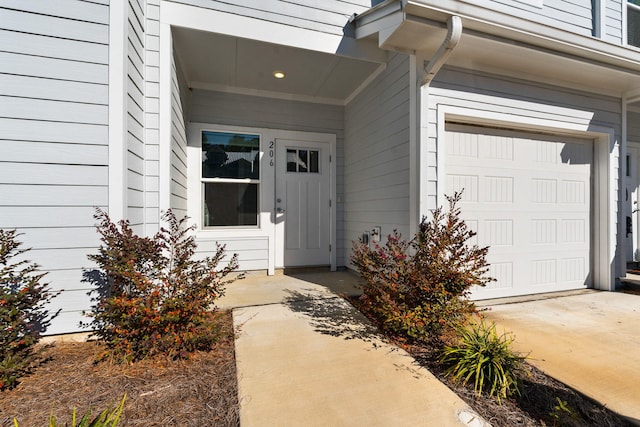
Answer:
(454, 33)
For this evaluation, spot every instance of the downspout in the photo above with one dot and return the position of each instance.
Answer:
(419, 152)
(454, 32)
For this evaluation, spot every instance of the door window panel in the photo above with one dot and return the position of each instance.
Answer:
(303, 161)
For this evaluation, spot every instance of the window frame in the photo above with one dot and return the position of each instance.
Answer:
(202, 181)
(625, 30)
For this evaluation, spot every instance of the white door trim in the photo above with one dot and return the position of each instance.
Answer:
(605, 173)
(330, 140)
(266, 225)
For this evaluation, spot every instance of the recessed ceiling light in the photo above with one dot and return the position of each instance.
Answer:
(278, 74)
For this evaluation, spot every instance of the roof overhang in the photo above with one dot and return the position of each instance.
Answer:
(521, 49)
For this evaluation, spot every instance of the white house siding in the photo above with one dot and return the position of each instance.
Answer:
(572, 15)
(612, 20)
(376, 165)
(178, 198)
(260, 112)
(323, 16)
(633, 126)
(54, 136)
(151, 116)
(135, 113)
(488, 93)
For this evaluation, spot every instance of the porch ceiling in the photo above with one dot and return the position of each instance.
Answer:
(219, 62)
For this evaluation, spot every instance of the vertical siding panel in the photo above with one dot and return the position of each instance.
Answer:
(376, 177)
(54, 87)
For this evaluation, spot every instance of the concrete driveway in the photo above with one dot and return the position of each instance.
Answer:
(589, 341)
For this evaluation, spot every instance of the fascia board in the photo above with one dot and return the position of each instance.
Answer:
(482, 20)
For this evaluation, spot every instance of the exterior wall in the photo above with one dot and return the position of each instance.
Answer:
(376, 159)
(325, 17)
(633, 126)
(612, 20)
(565, 108)
(135, 114)
(151, 117)
(575, 16)
(178, 197)
(259, 112)
(54, 138)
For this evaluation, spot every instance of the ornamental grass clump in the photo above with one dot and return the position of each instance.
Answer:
(485, 358)
(153, 296)
(107, 418)
(23, 313)
(418, 288)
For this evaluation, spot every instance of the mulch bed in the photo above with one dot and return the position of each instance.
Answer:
(200, 391)
(540, 395)
(540, 398)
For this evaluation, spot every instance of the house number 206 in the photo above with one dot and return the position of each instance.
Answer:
(270, 153)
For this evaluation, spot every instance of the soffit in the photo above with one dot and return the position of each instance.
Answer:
(215, 61)
(518, 50)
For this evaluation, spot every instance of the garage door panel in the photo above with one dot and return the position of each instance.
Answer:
(528, 197)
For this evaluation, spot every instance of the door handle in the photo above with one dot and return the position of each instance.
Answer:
(279, 210)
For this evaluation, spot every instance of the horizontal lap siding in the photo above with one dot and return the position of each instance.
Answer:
(135, 114)
(633, 126)
(178, 141)
(54, 137)
(252, 252)
(483, 92)
(325, 16)
(613, 31)
(151, 115)
(376, 177)
(571, 15)
(251, 111)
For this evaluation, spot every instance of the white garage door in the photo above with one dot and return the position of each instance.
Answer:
(528, 196)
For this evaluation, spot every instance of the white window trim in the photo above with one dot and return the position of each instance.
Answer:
(625, 22)
(200, 222)
(195, 192)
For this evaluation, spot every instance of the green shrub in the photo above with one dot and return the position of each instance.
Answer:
(23, 316)
(419, 288)
(154, 297)
(484, 357)
(107, 418)
(563, 415)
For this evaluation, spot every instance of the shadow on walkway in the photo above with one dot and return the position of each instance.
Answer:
(331, 316)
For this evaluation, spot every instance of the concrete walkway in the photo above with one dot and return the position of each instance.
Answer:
(589, 341)
(305, 357)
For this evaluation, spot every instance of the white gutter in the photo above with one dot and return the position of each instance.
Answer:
(454, 32)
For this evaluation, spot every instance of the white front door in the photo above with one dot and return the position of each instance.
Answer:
(302, 203)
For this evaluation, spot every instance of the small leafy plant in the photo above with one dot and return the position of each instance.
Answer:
(23, 313)
(107, 418)
(486, 358)
(419, 288)
(155, 298)
(563, 415)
